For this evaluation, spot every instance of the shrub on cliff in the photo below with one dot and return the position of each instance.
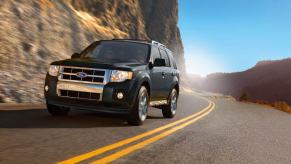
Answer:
(244, 97)
(282, 105)
(1, 100)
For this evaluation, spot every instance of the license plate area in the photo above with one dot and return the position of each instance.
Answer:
(80, 91)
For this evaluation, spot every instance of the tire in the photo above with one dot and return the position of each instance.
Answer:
(139, 111)
(169, 110)
(57, 111)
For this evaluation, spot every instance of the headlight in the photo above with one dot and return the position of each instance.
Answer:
(54, 70)
(120, 76)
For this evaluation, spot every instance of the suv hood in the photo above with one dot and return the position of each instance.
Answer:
(92, 63)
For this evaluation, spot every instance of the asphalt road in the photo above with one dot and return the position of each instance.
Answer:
(224, 131)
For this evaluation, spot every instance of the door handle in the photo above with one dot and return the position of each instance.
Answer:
(163, 73)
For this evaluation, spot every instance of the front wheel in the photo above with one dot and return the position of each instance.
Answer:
(139, 111)
(57, 111)
(169, 110)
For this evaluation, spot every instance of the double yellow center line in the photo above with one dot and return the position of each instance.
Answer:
(182, 123)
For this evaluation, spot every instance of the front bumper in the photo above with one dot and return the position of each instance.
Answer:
(108, 101)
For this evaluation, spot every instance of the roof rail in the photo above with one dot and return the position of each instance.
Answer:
(148, 41)
(157, 43)
(134, 40)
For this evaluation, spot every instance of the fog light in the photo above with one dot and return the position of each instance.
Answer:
(46, 88)
(120, 95)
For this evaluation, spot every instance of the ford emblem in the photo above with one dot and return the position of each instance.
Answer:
(81, 74)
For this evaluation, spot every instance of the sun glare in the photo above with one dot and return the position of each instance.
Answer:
(201, 62)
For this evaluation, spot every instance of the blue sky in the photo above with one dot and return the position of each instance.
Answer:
(232, 35)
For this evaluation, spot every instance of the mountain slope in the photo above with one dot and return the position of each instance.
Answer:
(268, 80)
(36, 32)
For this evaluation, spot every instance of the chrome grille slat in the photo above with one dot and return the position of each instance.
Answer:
(89, 87)
(90, 97)
(79, 90)
(64, 73)
(94, 75)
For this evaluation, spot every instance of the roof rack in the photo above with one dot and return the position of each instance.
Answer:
(157, 43)
(134, 40)
(148, 41)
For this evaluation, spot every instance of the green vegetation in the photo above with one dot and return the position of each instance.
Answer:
(244, 97)
(1, 100)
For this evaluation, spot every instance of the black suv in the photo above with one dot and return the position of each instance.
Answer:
(118, 76)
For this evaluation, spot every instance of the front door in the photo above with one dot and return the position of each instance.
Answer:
(157, 83)
(157, 80)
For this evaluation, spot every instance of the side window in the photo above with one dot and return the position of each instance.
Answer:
(172, 60)
(165, 56)
(174, 64)
(155, 53)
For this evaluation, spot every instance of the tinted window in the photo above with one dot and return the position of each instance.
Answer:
(155, 53)
(114, 51)
(174, 64)
(172, 60)
(165, 56)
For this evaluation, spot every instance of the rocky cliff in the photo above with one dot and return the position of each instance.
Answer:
(268, 81)
(34, 33)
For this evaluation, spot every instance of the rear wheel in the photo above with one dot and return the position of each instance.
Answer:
(169, 110)
(57, 110)
(139, 111)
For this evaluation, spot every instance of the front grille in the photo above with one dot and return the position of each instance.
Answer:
(92, 75)
(80, 95)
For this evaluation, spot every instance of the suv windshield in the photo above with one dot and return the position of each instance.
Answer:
(118, 51)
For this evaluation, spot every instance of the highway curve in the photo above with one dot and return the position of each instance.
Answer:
(205, 130)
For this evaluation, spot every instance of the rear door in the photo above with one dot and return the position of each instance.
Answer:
(166, 74)
(173, 69)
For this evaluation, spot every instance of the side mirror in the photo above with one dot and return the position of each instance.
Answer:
(75, 55)
(159, 63)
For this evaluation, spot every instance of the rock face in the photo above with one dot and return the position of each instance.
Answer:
(268, 81)
(36, 32)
